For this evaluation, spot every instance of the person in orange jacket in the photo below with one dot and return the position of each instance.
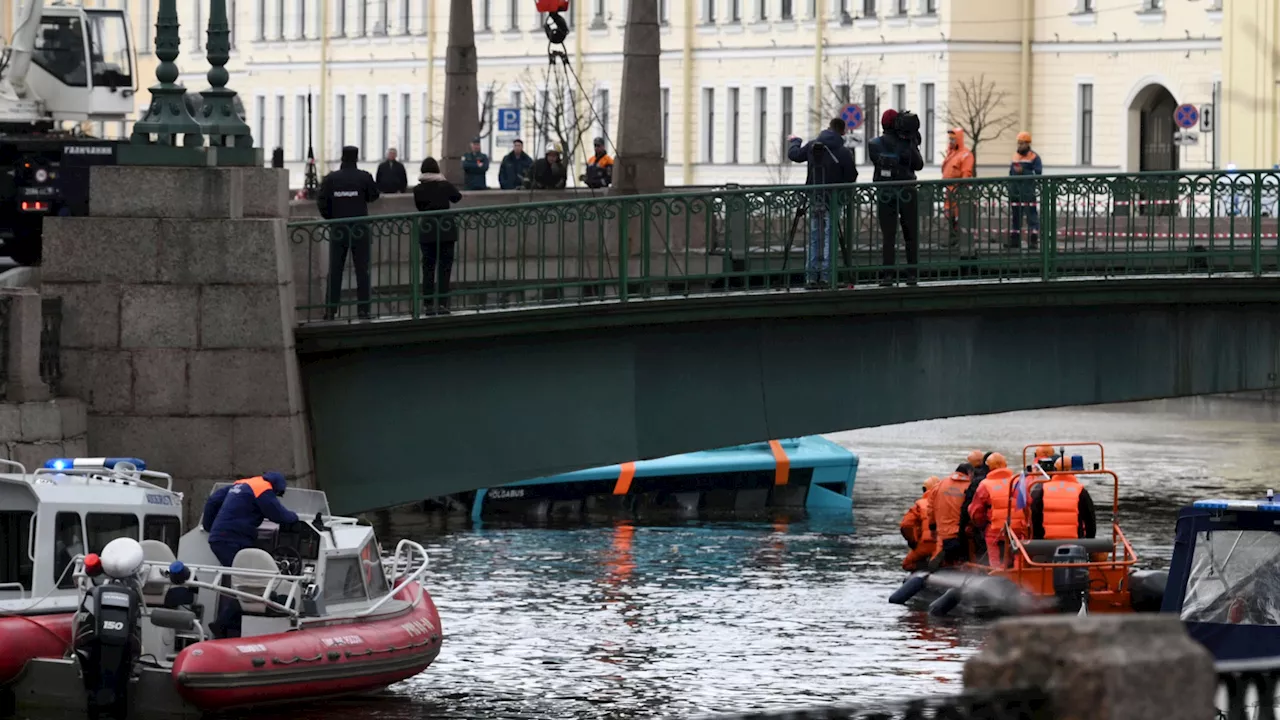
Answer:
(958, 163)
(917, 531)
(993, 505)
(1061, 508)
(947, 516)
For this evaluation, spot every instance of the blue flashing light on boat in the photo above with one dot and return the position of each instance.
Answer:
(1260, 505)
(91, 463)
(1077, 463)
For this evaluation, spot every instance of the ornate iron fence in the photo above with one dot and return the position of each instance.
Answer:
(51, 343)
(731, 240)
(1247, 689)
(1014, 705)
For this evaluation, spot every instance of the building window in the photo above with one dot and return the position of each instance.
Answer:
(340, 116)
(899, 97)
(930, 7)
(231, 21)
(666, 121)
(1086, 124)
(261, 29)
(148, 26)
(486, 120)
(362, 129)
(930, 111)
(300, 127)
(902, 6)
(198, 26)
(735, 10)
(513, 14)
(762, 10)
(762, 125)
(786, 13)
(260, 115)
(598, 19)
(788, 101)
(280, 122)
(426, 124)
(602, 109)
(868, 8)
(663, 12)
(340, 20)
(709, 124)
(871, 110)
(1153, 5)
(384, 18)
(279, 19)
(404, 140)
(734, 124)
(384, 122)
(708, 11)
(486, 15)
(301, 12)
(363, 19)
(404, 21)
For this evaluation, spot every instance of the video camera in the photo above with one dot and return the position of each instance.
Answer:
(907, 127)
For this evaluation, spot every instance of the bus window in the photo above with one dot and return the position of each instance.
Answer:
(105, 527)
(68, 542)
(15, 564)
(165, 528)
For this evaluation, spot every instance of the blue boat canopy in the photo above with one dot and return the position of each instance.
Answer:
(1224, 578)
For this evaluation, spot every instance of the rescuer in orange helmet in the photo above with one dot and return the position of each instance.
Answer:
(993, 505)
(917, 531)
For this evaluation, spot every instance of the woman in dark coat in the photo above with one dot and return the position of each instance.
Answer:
(437, 235)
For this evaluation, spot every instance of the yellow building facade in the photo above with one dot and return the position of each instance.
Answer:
(1096, 82)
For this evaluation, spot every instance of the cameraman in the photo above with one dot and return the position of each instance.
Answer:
(896, 158)
(830, 163)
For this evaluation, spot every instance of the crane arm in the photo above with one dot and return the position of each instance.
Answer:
(23, 44)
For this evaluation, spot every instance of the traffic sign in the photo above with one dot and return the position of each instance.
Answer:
(1206, 118)
(509, 120)
(852, 116)
(1187, 116)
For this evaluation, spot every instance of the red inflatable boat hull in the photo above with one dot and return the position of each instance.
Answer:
(335, 659)
(26, 637)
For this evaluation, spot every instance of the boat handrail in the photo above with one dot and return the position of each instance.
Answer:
(340, 520)
(11, 586)
(31, 537)
(22, 469)
(110, 474)
(407, 548)
(274, 580)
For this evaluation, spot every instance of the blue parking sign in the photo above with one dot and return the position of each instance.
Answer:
(509, 120)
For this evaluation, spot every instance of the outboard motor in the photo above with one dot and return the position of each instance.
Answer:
(1146, 589)
(108, 639)
(1071, 584)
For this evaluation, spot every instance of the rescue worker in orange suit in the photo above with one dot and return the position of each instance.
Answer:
(993, 505)
(947, 513)
(1061, 508)
(974, 542)
(916, 530)
(957, 164)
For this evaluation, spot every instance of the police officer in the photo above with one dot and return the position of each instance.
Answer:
(346, 193)
(896, 157)
(232, 515)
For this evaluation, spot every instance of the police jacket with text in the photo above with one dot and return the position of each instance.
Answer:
(894, 159)
(346, 193)
(233, 513)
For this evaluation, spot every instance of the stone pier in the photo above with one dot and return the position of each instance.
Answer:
(178, 317)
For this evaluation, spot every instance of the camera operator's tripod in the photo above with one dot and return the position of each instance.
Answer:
(846, 252)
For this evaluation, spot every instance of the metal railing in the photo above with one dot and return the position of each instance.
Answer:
(710, 242)
(1247, 689)
(1010, 705)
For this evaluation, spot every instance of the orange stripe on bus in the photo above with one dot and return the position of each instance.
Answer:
(783, 470)
(624, 479)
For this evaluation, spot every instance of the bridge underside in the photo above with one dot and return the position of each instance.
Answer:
(402, 411)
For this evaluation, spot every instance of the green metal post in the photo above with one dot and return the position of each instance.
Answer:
(1048, 228)
(624, 253)
(167, 118)
(230, 139)
(1256, 222)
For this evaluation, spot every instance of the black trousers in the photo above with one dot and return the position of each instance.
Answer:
(437, 257)
(899, 207)
(354, 238)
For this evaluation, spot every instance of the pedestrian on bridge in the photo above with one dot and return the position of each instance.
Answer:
(437, 234)
(1022, 194)
(344, 195)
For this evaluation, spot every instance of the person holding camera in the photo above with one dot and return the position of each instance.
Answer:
(829, 163)
(896, 158)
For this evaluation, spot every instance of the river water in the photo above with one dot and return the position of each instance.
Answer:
(609, 622)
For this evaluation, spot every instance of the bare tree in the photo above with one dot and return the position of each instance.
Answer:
(979, 108)
(557, 112)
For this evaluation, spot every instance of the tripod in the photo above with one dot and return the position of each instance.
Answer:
(846, 253)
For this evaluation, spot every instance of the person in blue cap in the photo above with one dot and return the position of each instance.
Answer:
(232, 515)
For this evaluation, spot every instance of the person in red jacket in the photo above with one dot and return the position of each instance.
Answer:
(993, 507)
(917, 531)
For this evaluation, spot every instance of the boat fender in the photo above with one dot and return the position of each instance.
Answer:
(945, 603)
(297, 659)
(1146, 589)
(907, 590)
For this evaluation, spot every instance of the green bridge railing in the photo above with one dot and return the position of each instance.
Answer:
(706, 242)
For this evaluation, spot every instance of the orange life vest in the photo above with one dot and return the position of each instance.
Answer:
(947, 503)
(997, 483)
(922, 510)
(257, 484)
(1062, 507)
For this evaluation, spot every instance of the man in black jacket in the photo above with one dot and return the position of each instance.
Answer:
(896, 157)
(391, 177)
(437, 234)
(829, 163)
(346, 193)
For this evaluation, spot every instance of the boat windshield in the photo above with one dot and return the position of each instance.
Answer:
(1234, 578)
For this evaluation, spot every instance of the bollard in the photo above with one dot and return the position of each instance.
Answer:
(1102, 667)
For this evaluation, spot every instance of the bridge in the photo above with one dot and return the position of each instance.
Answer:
(587, 332)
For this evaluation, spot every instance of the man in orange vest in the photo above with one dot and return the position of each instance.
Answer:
(993, 505)
(946, 515)
(957, 164)
(1061, 508)
(916, 530)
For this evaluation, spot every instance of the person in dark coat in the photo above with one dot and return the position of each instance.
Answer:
(549, 172)
(829, 163)
(437, 234)
(515, 166)
(896, 157)
(346, 193)
(475, 167)
(391, 177)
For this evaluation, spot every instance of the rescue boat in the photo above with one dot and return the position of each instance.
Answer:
(1081, 576)
(50, 517)
(323, 614)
